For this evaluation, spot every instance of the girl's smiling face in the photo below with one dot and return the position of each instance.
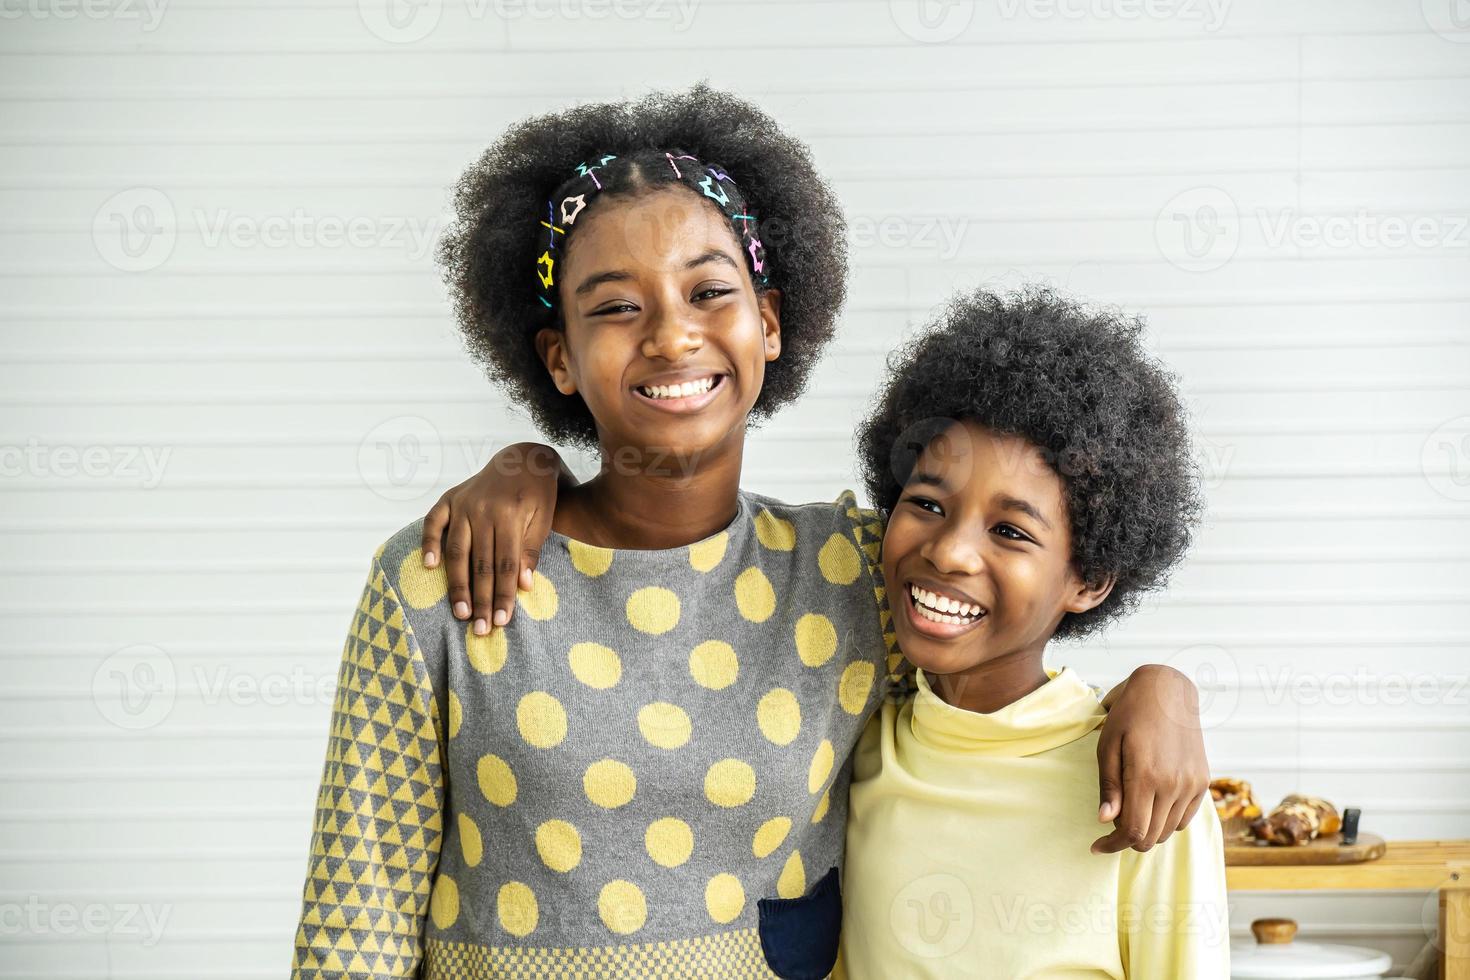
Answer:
(978, 553)
(664, 336)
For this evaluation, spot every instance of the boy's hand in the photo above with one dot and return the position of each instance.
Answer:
(1152, 769)
(495, 523)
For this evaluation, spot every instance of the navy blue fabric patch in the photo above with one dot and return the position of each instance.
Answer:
(799, 935)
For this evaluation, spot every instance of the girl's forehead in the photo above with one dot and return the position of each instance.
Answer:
(659, 229)
(968, 457)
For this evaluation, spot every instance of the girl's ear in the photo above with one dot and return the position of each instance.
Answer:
(1089, 596)
(770, 307)
(551, 346)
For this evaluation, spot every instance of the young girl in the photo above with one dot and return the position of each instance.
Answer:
(1039, 503)
(645, 772)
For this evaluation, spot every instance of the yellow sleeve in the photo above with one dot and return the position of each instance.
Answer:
(375, 840)
(1172, 909)
(867, 527)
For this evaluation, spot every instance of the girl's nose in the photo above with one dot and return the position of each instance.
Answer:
(671, 336)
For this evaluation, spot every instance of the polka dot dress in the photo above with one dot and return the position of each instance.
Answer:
(614, 780)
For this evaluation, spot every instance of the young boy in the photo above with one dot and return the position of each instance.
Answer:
(1034, 464)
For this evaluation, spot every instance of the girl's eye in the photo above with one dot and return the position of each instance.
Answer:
(711, 293)
(1018, 536)
(615, 309)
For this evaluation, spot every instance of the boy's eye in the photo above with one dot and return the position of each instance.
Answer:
(1007, 531)
(926, 504)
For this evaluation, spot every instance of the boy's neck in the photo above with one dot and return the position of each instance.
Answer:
(993, 684)
(657, 503)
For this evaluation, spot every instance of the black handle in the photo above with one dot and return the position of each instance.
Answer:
(1350, 825)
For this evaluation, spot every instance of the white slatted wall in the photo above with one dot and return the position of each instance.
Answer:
(229, 372)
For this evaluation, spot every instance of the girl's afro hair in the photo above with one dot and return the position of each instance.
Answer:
(490, 250)
(1075, 382)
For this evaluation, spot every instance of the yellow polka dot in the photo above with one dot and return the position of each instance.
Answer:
(541, 719)
(609, 783)
(589, 559)
(669, 842)
(705, 555)
(770, 836)
(595, 665)
(444, 902)
(456, 714)
(839, 560)
(821, 767)
(559, 845)
(665, 725)
(470, 843)
(516, 905)
(421, 587)
(822, 805)
(852, 689)
(724, 898)
(486, 653)
(540, 602)
(497, 782)
(774, 532)
(816, 639)
(792, 883)
(622, 907)
(779, 716)
(653, 610)
(713, 664)
(729, 783)
(754, 596)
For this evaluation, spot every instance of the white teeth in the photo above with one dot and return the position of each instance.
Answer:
(943, 609)
(680, 390)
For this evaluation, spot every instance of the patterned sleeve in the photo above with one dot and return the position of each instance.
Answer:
(375, 840)
(867, 530)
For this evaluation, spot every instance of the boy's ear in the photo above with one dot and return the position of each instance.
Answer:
(1090, 595)
(770, 307)
(551, 346)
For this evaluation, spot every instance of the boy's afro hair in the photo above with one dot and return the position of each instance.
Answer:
(489, 252)
(1076, 382)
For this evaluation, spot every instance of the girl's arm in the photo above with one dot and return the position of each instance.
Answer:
(1151, 754)
(345, 910)
(1152, 770)
(495, 522)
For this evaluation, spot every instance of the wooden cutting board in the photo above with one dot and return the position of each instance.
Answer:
(1323, 850)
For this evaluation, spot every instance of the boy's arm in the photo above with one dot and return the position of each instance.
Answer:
(490, 529)
(1172, 907)
(361, 878)
(1152, 769)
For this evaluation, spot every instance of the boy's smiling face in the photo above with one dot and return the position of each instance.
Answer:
(656, 293)
(981, 532)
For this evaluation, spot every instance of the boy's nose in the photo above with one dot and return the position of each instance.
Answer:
(954, 551)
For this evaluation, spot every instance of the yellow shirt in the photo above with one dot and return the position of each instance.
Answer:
(968, 841)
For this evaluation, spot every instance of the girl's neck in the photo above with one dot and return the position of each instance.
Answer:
(992, 684)
(659, 501)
